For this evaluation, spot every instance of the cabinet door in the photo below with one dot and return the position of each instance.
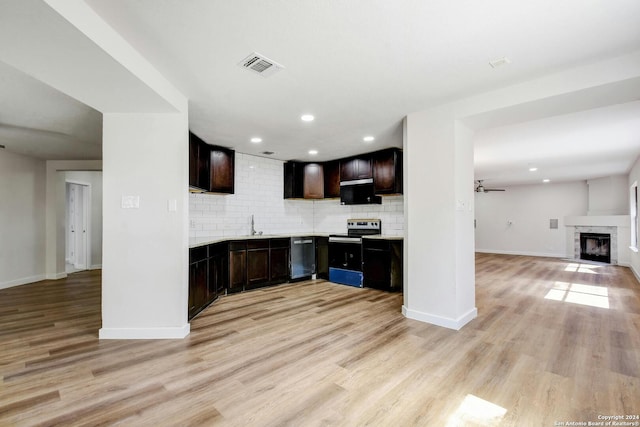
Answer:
(355, 168)
(257, 267)
(220, 265)
(322, 257)
(197, 287)
(237, 270)
(222, 170)
(387, 171)
(279, 265)
(331, 179)
(313, 184)
(293, 179)
(198, 162)
(218, 268)
(376, 266)
(193, 161)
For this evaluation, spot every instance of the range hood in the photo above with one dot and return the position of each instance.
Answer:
(358, 192)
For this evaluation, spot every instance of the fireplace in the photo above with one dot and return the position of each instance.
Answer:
(595, 247)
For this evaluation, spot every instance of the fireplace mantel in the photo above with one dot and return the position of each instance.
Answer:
(598, 220)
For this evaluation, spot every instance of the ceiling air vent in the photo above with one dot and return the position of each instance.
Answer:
(260, 64)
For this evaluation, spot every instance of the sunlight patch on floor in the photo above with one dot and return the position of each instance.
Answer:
(582, 268)
(476, 411)
(577, 293)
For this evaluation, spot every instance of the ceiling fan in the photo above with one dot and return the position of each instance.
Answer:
(481, 188)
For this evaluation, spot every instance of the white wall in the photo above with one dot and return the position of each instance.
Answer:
(608, 196)
(634, 256)
(259, 189)
(529, 209)
(22, 219)
(94, 179)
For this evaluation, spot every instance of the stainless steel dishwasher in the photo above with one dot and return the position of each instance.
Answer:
(303, 257)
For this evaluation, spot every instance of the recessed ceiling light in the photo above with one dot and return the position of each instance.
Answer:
(256, 140)
(313, 152)
(533, 169)
(307, 118)
(546, 180)
(368, 138)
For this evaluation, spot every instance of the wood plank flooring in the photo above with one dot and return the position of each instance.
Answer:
(554, 341)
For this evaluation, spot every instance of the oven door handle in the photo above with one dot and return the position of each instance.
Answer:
(345, 240)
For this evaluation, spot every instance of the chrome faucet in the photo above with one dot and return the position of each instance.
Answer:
(253, 229)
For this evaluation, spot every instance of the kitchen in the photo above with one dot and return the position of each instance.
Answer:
(257, 196)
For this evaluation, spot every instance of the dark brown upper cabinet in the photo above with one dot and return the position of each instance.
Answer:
(293, 180)
(303, 180)
(211, 168)
(332, 179)
(322, 180)
(199, 162)
(313, 181)
(387, 171)
(356, 168)
(222, 170)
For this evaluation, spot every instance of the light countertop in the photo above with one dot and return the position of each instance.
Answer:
(195, 242)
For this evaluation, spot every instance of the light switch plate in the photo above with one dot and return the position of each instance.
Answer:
(172, 205)
(130, 202)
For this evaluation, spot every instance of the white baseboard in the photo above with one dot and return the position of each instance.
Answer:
(95, 267)
(56, 276)
(144, 333)
(523, 253)
(635, 273)
(22, 281)
(445, 322)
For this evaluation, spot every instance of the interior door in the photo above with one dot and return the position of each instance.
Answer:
(77, 238)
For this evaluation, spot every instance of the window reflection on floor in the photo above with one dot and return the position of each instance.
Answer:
(476, 411)
(577, 293)
(582, 268)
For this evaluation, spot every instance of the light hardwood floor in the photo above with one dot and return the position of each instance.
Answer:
(553, 341)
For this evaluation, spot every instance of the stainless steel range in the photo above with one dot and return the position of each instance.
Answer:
(345, 251)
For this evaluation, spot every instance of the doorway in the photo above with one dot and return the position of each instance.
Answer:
(77, 226)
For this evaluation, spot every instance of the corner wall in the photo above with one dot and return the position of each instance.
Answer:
(516, 221)
(634, 255)
(22, 219)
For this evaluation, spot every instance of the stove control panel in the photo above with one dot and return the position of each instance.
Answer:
(364, 224)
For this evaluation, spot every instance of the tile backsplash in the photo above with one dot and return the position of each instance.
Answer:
(259, 191)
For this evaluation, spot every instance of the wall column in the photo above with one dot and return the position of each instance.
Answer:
(439, 266)
(145, 226)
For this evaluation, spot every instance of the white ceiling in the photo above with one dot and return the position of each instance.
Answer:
(361, 66)
(38, 121)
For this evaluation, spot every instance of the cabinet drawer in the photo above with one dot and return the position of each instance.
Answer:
(280, 243)
(257, 244)
(237, 246)
(374, 244)
(197, 254)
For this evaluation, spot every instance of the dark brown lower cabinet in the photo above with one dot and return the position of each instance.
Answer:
(279, 261)
(257, 263)
(382, 264)
(198, 270)
(218, 269)
(322, 257)
(237, 266)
